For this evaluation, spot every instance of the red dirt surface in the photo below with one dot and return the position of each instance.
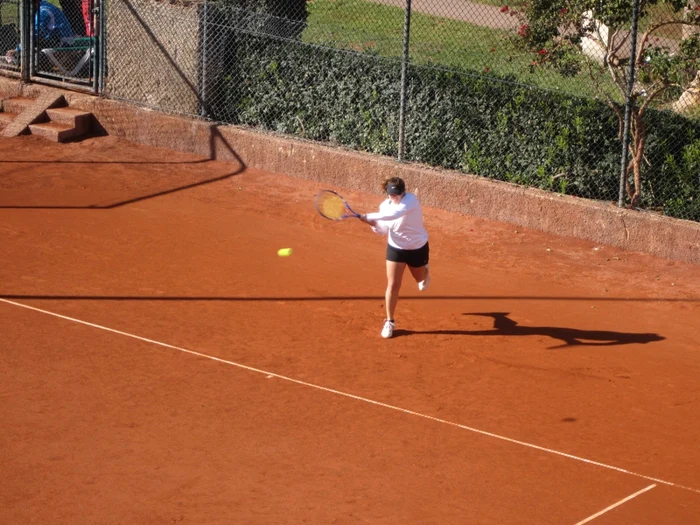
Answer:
(524, 340)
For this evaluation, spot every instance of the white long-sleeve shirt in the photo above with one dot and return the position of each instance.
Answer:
(403, 222)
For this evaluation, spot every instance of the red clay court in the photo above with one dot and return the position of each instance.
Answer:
(161, 364)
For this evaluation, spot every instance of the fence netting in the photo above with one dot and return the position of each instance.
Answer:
(484, 88)
(9, 36)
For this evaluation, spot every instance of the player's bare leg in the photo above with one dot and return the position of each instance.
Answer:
(421, 275)
(394, 276)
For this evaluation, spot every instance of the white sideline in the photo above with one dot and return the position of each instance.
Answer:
(606, 509)
(358, 398)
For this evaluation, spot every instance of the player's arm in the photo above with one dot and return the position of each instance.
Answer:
(388, 215)
(378, 227)
(364, 218)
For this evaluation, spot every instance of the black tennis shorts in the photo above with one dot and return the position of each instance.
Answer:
(414, 258)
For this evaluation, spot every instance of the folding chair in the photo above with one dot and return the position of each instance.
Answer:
(72, 55)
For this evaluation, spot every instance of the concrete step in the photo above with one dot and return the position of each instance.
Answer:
(29, 111)
(54, 131)
(6, 118)
(48, 116)
(17, 104)
(80, 120)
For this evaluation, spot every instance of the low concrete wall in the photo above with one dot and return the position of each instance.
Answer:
(563, 215)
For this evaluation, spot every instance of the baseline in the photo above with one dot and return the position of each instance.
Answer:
(615, 505)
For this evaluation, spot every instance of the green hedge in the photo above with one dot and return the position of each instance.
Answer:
(461, 120)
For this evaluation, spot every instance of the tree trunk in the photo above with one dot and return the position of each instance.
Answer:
(639, 136)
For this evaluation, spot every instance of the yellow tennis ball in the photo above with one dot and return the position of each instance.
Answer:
(284, 252)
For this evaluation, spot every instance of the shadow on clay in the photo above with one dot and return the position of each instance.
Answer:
(505, 326)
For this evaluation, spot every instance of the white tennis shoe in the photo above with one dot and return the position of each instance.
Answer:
(423, 285)
(388, 329)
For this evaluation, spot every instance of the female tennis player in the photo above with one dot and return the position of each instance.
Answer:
(400, 218)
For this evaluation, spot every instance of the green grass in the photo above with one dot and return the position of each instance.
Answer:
(493, 3)
(9, 16)
(9, 13)
(362, 25)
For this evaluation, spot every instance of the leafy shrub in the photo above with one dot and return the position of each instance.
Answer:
(461, 120)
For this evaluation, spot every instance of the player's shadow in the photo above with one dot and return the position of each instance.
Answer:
(505, 326)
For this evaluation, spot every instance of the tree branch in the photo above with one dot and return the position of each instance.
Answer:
(650, 98)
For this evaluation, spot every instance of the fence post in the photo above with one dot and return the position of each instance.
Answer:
(101, 39)
(628, 103)
(95, 21)
(404, 80)
(26, 12)
(203, 88)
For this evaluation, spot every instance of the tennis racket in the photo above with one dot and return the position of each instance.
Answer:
(332, 206)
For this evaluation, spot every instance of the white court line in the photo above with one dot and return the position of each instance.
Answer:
(358, 398)
(591, 518)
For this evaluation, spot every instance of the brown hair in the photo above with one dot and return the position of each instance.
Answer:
(394, 181)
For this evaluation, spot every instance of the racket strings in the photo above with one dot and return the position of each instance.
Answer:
(330, 205)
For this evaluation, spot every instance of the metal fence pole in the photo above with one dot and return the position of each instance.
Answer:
(404, 80)
(101, 36)
(26, 12)
(628, 103)
(96, 19)
(203, 96)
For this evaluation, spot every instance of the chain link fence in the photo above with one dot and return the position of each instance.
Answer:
(10, 28)
(63, 45)
(59, 44)
(529, 93)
